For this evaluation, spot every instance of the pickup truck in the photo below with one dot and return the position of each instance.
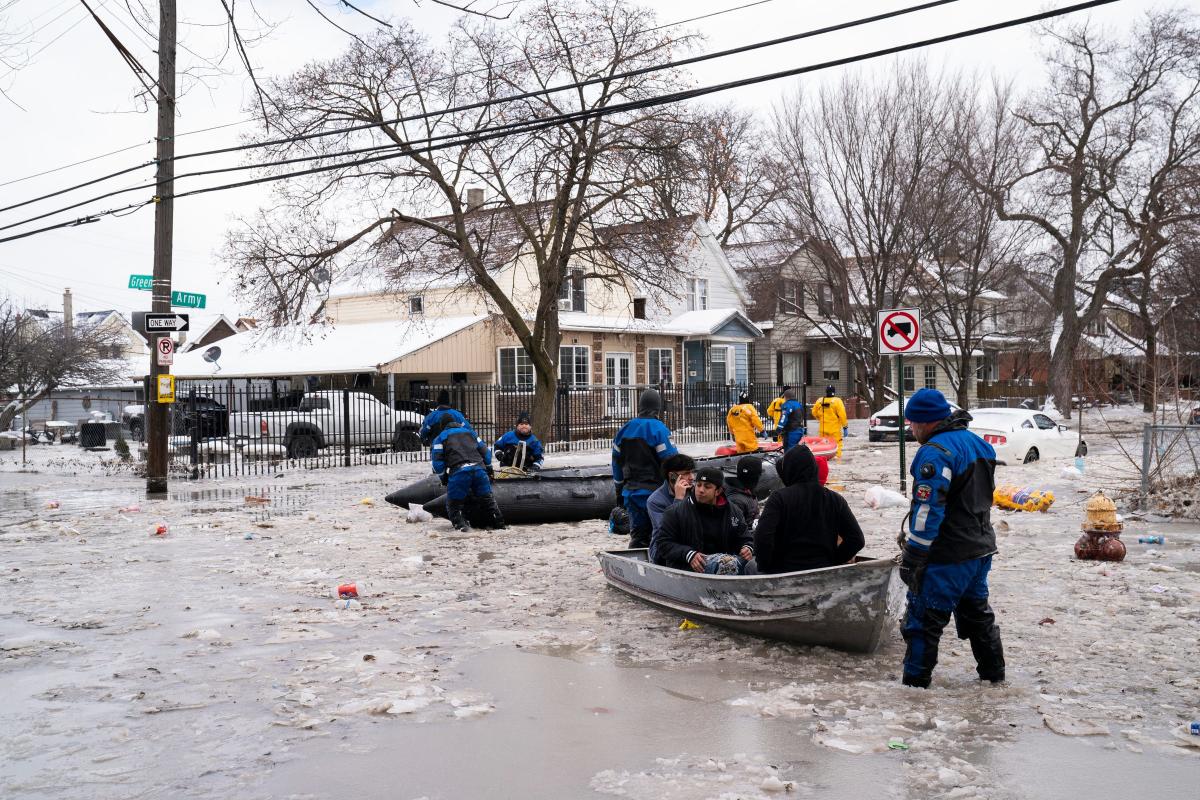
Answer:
(318, 423)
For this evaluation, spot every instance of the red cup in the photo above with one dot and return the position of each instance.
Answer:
(347, 590)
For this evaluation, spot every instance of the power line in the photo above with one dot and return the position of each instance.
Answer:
(453, 110)
(589, 113)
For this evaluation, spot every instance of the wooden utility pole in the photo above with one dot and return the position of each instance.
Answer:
(164, 218)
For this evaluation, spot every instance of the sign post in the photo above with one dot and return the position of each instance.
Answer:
(899, 333)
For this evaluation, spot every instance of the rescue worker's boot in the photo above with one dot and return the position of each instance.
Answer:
(976, 622)
(493, 509)
(454, 510)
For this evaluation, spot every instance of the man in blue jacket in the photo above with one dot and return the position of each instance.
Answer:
(638, 451)
(464, 463)
(950, 543)
(791, 421)
(519, 447)
(438, 419)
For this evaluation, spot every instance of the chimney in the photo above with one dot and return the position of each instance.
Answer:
(474, 199)
(68, 313)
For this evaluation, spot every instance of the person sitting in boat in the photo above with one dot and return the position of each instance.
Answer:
(804, 525)
(463, 461)
(740, 488)
(638, 451)
(776, 407)
(791, 421)
(681, 473)
(437, 420)
(704, 532)
(744, 424)
(519, 447)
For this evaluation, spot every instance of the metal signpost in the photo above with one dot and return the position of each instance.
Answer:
(899, 332)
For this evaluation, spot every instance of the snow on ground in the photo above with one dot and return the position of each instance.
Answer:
(214, 660)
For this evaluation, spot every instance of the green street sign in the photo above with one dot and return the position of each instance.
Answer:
(143, 282)
(188, 299)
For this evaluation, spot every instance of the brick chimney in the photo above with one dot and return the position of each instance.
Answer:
(68, 313)
(474, 199)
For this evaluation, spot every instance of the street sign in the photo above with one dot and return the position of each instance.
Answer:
(899, 331)
(166, 388)
(143, 282)
(159, 322)
(188, 300)
(166, 351)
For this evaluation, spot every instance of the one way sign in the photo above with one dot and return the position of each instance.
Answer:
(152, 322)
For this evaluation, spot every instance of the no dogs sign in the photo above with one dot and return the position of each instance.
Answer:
(899, 331)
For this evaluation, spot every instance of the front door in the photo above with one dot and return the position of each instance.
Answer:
(618, 379)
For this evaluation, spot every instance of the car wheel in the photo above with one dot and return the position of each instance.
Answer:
(136, 430)
(302, 447)
(1081, 450)
(1031, 456)
(406, 442)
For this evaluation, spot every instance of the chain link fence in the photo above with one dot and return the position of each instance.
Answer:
(1170, 473)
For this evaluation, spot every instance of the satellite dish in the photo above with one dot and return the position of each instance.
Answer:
(211, 355)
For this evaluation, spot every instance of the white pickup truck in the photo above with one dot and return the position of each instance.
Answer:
(319, 422)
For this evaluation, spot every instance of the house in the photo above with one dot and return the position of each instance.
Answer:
(208, 329)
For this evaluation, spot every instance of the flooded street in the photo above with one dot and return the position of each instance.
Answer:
(215, 661)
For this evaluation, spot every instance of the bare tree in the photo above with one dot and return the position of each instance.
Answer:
(861, 174)
(405, 219)
(1098, 181)
(39, 356)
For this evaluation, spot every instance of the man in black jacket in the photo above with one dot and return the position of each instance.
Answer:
(740, 488)
(704, 532)
(804, 525)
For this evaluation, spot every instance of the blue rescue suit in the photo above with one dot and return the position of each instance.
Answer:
(508, 449)
(438, 420)
(948, 551)
(465, 458)
(791, 424)
(639, 449)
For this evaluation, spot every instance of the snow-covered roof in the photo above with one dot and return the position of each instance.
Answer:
(690, 323)
(314, 350)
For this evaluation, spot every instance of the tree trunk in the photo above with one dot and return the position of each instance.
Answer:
(17, 407)
(963, 394)
(545, 388)
(1062, 367)
(878, 393)
(1150, 371)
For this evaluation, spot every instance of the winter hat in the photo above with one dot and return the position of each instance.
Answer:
(650, 402)
(785, 389)
(926, 405)
(711, 475)
(749, 470)
(443, 398)
(523, 417)
(744, 397)
(830, 390)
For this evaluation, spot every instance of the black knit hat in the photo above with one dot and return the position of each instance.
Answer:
(711, 475)
(443, 398)
(749, 470)
(523, 417)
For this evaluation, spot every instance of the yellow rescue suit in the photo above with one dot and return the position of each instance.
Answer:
(831, 414)
(775, 409)
(744, 423)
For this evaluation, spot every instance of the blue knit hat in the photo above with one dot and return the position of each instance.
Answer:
(926, 405)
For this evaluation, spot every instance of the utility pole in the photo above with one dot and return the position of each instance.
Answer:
(164, 218)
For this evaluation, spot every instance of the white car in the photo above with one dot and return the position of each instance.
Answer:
(885, 424)
(1021, 436)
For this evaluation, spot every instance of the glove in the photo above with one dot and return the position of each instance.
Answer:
(618, 487)
(845, 431)
(491, 473)
(444, 478)
(912, 568)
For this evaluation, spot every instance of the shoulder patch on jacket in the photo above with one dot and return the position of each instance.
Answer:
(924, 491)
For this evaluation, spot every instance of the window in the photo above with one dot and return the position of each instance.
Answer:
(639, 308)
(720, 365)
(1044, 422)
(791, 366)
(573, 367)
(825, 300)
(930, 376)
(697, 294)
(516, 370)
(910, 379)
(831, 366)
(789, 297)
(1097, 327)
(660, 365)
(572, 295)
(416, 305)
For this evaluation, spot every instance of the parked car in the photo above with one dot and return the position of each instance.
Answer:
(884, 424)
(1021, 436)
(319, 422)
(133, 416)
(210, 416)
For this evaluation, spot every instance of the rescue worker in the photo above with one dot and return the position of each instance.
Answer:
(638, 451)
(791, 421)
(950, 542)
(830, 414)
(775, 407)
(436, 420)
(464, 463)
(744, 424)
(519, 447)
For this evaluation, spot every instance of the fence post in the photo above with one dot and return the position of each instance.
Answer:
(195, 432)
(1146, 451)
(346, 427)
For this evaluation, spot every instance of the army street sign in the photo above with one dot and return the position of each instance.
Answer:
(181, 299)
(899, 331)
(156, 322)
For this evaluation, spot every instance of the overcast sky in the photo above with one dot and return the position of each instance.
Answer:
(76, 101)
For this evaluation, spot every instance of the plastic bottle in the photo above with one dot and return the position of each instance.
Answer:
(1152, 540)
(1195, 729)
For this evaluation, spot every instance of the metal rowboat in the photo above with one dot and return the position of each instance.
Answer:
(847, 607)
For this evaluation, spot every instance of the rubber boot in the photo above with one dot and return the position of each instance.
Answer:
(454, 510)
(489, 504)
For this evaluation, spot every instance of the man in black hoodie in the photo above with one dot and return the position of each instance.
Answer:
(740, 488)
(804, 525)
(704, 532)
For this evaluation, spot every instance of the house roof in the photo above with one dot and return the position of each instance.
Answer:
(690, 323)
(312, 350)
(201, 325)
(83, 319)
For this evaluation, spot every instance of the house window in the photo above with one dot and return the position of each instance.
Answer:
(572, 295)
(416, 305)
(825, 300)
(660, 365)
(1098, 326)
(697, 294)
(516, 370)
(639, 308)
(720, 365)
(930, 376)
(789, 297)
(791, 366)
(831, 366)
(573, 367)
(910, 379)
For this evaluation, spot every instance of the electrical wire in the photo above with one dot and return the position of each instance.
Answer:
(589, 113)
(454, 110)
